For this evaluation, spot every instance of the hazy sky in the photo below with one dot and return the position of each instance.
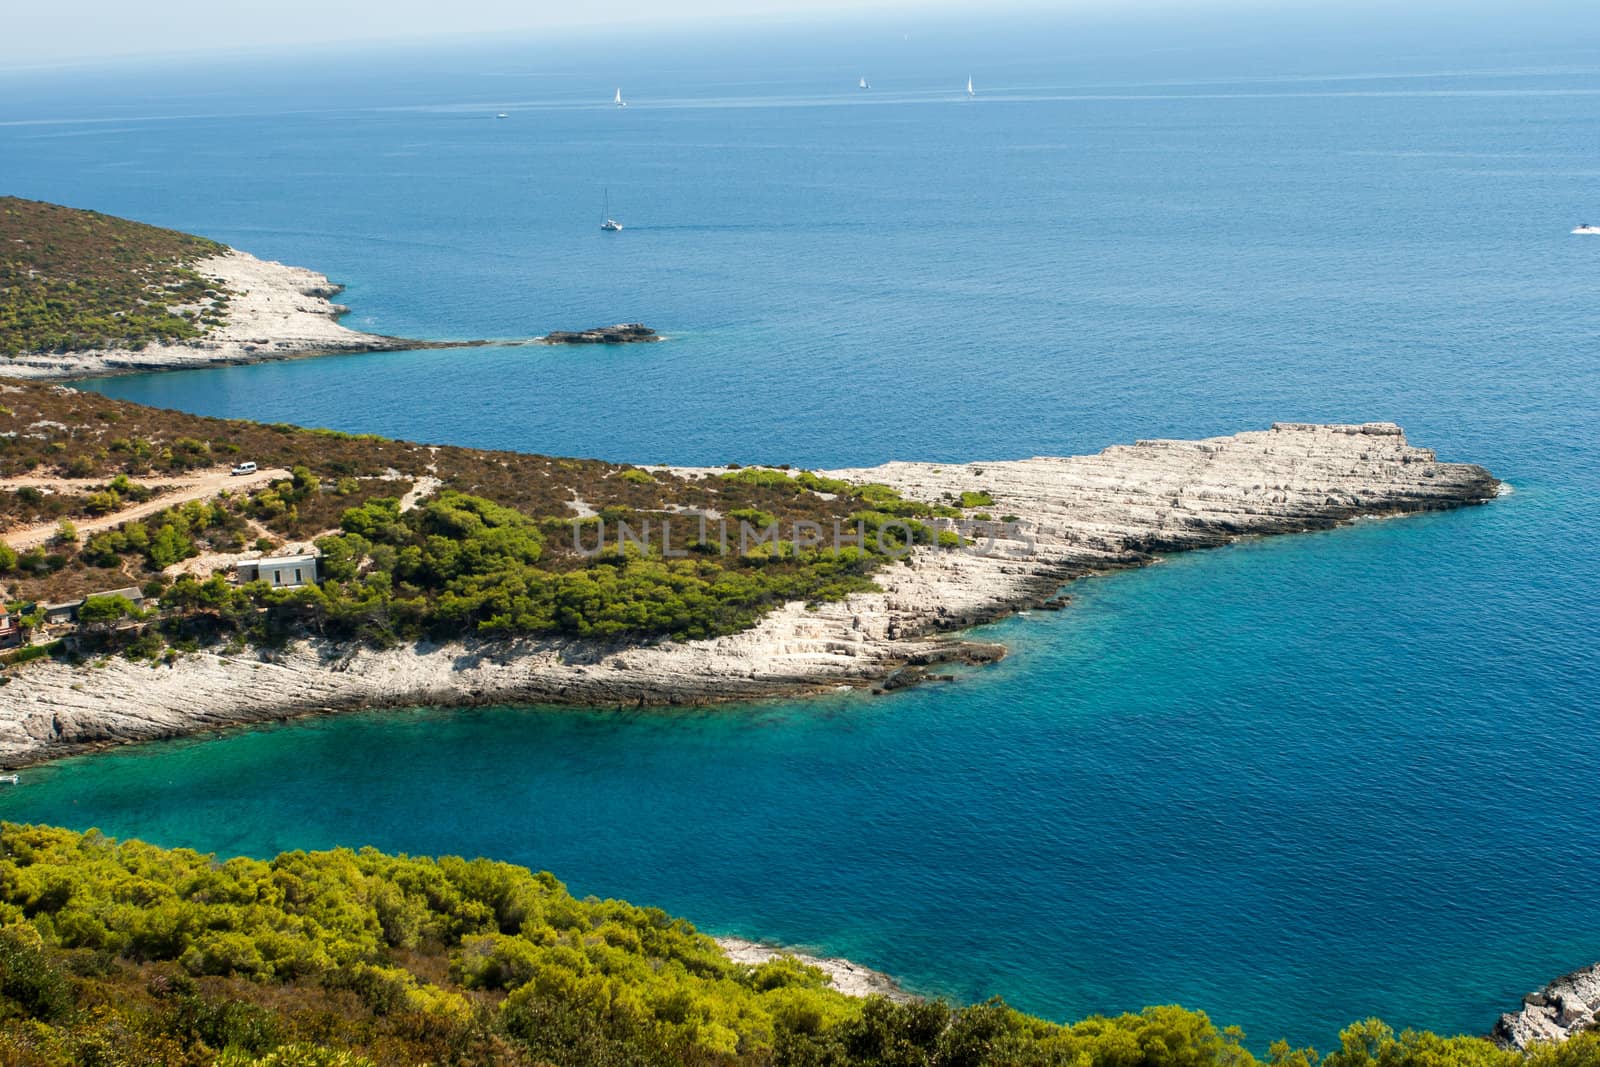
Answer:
(63, 30)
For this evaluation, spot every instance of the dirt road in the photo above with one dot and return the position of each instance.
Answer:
(179, 489)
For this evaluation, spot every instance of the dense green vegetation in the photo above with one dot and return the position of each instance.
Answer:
(123, 953)
(72, 280)
(462, 564)
(465, 565)
(498, 550)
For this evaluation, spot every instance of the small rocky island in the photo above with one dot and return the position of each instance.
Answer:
(625, 333)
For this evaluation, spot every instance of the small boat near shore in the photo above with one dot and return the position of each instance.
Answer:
(9, 779)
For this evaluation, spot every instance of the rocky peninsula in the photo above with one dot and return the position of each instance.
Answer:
(83, 294)
(274, 311)
(1046, 521)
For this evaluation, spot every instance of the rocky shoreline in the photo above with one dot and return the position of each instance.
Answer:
(275, 312)
(1562, 1009)
(851, 979)
(1052, 520)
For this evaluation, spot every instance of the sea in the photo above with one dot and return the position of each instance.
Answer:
(1294, 783)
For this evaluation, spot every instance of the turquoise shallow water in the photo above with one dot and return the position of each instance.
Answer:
(1293, 782)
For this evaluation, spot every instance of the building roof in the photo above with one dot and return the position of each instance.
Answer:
(132, 592)
(282, 561)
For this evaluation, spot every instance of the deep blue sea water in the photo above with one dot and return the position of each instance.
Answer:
(1293, 782)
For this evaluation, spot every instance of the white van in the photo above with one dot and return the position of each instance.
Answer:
(244, 468)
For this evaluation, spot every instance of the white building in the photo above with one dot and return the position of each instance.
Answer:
(280, 571)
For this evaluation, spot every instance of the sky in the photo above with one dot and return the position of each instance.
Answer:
(68, 30)
(67, 33)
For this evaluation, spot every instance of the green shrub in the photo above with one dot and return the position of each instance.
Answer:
(762, 477)
(102, 503)
(818, 484)
(28, 653)
(753, 517)
(30, 980)
(299, 1054)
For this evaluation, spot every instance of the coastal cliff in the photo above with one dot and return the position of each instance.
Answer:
(1567, 1006)
(1059, 518)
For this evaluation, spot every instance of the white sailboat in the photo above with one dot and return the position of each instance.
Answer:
(607, 223)
(863, 84)
(970, 93)
(618, 99)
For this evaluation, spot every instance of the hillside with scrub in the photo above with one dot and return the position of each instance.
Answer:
(121, 953)
(72, 280)
(417, 541)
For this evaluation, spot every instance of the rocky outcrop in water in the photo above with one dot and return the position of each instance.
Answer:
(1561, 1009)
(626, 333)
(1051, 520)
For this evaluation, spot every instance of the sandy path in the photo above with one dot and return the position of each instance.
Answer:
(423, 488)
(200, 486)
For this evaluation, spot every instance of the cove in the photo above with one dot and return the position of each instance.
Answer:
(1178, 790)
